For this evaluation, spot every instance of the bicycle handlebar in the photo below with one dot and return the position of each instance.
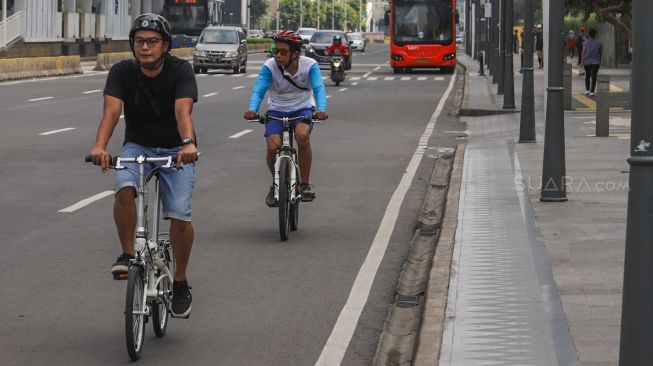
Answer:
(304, 119)
(116, 160)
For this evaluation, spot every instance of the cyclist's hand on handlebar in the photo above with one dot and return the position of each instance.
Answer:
(249, 115)
(101, 157)
(186, 155)
(321, 115)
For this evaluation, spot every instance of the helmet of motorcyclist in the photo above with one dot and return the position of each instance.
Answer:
(291, 38)
(337, 38)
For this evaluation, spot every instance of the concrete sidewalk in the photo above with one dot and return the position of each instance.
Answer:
(536, 283)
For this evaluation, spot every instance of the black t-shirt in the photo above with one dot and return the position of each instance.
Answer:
(149, 103)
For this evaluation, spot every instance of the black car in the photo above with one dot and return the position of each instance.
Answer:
(321, 40)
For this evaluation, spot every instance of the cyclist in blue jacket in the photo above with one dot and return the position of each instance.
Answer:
(295, 88)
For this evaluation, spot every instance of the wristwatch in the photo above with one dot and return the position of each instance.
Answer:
(188, 140)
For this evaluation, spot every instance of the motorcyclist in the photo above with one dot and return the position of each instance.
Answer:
(338, 49)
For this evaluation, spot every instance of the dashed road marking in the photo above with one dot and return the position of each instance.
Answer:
(422, 78)
(57, 131)
(91, 91)
(86, 202)
(209, 95)
(239, 134)
(238, 87)
(39, 99)
(343, 89)
(389, 78)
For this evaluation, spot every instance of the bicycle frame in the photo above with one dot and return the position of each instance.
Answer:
(287, 151)
(148, 256)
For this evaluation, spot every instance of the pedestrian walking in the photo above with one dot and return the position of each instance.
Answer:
(592, 52)
(580, 38)
(539, 45)
(571, 44)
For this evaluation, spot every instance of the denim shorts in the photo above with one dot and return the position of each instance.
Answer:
(276, 127)
(175, 186)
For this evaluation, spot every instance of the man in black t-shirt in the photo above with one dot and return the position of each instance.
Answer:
(157, 91)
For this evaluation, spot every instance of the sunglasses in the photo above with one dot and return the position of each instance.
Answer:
(151, 42)
(280, 51)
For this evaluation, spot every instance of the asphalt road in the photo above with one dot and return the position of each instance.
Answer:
(257, 300)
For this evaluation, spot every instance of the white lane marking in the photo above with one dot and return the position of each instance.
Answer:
(405, 78)
(354, 83)
(237, 75)
(356, 78)
(343, 89)
(91, 91)
(328, 96)
(367, 74)
(422, 78)
(209, 95)
(372, 78)
(88, 73)
(38, 99)
(252, 75)
(439, 78)
(121, 116)
(338, 341)
(241, 133)
(238, 87)
(56, 131)
(389, 78)
(377, 68)
(86, 201)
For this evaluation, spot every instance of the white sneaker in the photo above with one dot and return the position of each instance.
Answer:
(591, 94)
(587, 92)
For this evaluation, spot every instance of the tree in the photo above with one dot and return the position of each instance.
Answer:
(606, 10)
(258, 9)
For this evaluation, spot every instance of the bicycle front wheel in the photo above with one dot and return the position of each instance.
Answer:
(135, 313)
(284, 199)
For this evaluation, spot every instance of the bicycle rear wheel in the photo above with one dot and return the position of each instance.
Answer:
(284, 199)
(135, 313)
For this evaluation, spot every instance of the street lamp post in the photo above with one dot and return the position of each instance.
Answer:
(553, 167)
(502, 47)
(333, 14)
(360, 15)
(527, 117)
(318, 14)
(496, 21)
(509, 82)
(301, 13)
(636, 324)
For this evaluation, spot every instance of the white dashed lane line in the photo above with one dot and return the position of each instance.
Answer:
(209, 95)
(377, 68)
(57, 131)
(91, 91)
(86, 201)
(238, 87)
(328, 96)
(354, 83)
(342, 90)
(39, 99)
(367, 74)
(239, 134)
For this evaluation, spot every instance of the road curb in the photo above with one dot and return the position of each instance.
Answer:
(429, 340)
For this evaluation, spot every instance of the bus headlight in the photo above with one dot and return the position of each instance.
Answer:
(397, 57)
(449, 56)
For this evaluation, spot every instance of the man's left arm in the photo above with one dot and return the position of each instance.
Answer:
(319, 92)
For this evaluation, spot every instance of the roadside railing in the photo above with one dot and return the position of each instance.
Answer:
(10, 29)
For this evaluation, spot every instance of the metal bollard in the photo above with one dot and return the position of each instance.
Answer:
(566, 83)
(603, 106)
(481, 55)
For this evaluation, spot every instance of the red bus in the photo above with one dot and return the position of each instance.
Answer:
(422, 34)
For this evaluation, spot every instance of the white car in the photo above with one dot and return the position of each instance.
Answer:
(255, 33)
(306, 33)
(358, 41)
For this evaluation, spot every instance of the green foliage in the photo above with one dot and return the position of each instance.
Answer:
(259, 40)
(585, 8)
(258, 9)
(289, 14)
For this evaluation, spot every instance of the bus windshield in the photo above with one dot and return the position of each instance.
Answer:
(423, 22)
(186, 19)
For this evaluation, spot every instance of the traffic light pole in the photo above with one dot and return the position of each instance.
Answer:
(636, 321)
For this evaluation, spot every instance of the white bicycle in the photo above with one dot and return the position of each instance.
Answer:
(150, 276)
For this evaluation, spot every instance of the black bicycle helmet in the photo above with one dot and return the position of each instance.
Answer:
(151, 22)
(338, 38)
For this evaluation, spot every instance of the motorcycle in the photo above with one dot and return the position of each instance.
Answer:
(337, 70)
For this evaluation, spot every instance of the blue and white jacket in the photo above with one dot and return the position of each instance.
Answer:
(285, 97)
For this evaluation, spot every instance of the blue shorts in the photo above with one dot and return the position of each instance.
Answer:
(175, 186)
(276, 127)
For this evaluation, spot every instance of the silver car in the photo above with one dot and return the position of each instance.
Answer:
(221, 48)
(358, 41)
